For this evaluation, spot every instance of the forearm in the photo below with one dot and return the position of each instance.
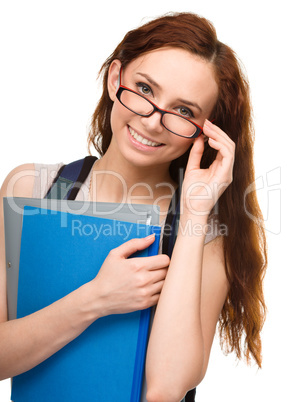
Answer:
(28, 341)
(175, 357)
(121, 286)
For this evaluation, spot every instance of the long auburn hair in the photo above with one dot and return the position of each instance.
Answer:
(244, 311)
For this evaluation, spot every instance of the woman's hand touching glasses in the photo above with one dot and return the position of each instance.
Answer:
(203, 187)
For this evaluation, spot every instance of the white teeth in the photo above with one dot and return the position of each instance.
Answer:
(142, 140)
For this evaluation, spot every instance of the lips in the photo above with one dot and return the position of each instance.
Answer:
(143, 140)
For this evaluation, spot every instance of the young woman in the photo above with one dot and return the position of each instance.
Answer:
(174, 114)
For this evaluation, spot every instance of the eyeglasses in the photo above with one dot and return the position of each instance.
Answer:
(173, 122)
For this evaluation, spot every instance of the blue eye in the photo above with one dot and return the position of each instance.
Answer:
(144, 89)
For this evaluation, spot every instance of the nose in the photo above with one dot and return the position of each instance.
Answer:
(153, 122)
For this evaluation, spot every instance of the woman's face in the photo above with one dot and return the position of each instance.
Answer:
(174, 80)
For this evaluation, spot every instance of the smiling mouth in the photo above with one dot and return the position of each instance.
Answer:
(143, 140)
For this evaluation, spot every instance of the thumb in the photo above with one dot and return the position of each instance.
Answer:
(131, 246)
(195, 154)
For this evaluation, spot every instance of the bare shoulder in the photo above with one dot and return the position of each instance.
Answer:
(19, 182)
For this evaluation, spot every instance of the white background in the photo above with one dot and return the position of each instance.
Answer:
(50, 54)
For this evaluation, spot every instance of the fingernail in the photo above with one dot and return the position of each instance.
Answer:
(208, 123)
(150, 236)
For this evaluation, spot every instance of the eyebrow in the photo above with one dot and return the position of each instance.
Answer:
(151, 81)
(190, 104)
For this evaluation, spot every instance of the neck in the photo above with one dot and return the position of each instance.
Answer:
(115, 180)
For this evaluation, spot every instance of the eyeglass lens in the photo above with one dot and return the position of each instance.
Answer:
(172, 122)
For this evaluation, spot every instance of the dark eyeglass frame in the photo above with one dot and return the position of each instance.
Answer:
(123, 88)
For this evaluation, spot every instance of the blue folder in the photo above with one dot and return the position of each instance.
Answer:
(106, 362)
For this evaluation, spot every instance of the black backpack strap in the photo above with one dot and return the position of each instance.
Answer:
(171, 223)
(169, 238)
(190, 396)
(69, 179)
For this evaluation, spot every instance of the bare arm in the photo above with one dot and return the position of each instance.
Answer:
(187, 313)
(195, 287)
(30, 340)
(122, 285)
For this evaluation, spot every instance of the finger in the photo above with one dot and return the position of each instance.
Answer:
(132, 246)
(159, 275)
(213, 131)
(220, 142)
(154, 262)
(153, 300)
(225, 150)
(157, 288)
(195, 154)
(224, 156)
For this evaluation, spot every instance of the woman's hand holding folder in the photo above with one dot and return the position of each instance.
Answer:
(126, 284)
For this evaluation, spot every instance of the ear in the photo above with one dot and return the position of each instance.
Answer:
(113, 78)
